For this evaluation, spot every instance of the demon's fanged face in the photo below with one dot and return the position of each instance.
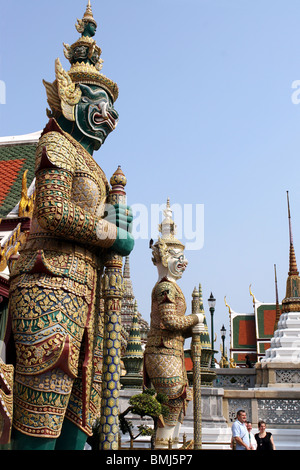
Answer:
(176, 263)
(95, 115)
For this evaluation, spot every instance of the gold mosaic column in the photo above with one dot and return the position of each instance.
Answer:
(112, 292)
(196, 357)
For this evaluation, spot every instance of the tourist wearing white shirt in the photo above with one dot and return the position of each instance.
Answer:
(240, 432)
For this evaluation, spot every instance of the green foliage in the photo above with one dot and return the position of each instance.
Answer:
(145, 430)
(145, 404)
(149, 404)
(161, 398)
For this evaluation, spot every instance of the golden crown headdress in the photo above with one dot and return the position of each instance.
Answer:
(84, 56)
(167, 240)
(87, 17)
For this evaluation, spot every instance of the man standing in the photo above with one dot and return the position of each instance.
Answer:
(240, 432)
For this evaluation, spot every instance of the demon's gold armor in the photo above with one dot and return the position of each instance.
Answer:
(55, 283)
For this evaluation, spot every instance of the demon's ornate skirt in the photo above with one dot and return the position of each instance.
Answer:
(168, 375)
(57, 330)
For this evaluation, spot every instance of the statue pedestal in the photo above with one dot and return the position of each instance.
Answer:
(215, 432)
(212, 409)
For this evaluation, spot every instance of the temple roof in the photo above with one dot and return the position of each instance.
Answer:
(17, 154)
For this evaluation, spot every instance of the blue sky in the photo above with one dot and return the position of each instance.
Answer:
(206, 117)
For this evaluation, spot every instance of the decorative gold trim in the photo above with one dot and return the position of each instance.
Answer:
(26, 204)
(69, 92)
(252, 295)
(11, 246)
(229, 309)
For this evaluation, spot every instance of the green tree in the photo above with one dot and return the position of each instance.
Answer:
(149, 403)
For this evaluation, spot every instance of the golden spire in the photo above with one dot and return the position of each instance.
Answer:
(293, 270)
(291, 302)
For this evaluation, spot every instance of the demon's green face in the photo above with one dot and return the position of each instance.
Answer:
(89, 29)
(95, 115)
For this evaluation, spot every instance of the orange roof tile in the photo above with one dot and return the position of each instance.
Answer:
(8, 174)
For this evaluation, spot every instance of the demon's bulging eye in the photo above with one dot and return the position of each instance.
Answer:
(95, 115)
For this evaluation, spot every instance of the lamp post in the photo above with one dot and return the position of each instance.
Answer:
(223, 336)
(211, 304)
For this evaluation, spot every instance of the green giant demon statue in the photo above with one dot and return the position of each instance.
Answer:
(55, 283)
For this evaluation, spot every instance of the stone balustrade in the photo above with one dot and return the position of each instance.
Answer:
(238, 378)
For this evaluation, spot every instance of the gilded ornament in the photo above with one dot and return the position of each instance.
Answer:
(69, 93)
(26, 203)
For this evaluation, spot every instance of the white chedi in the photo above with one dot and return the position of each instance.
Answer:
(285, 344)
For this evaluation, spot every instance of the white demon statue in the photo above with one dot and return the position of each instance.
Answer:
(164, 353)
